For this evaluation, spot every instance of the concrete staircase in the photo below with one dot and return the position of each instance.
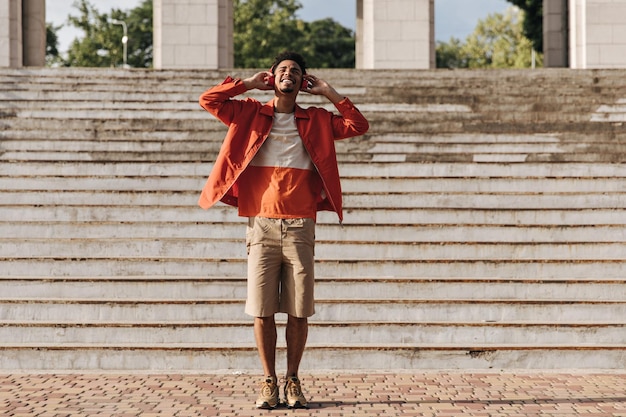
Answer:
(485, 224)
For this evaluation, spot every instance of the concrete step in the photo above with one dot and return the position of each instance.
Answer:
(415, 200)
(490, 171)
(36, 103)
(537, 80)
(528, 234)
(349, 185)
(354, 333)
(366, 288)
(344, 157)
(81, 357)
(84, 149)
(66, 265)
(331, 310)
(94, 127)
(353, 215)
(381, 251)
(374, 112)
(21, 137)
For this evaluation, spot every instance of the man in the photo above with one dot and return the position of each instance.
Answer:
(278, 166)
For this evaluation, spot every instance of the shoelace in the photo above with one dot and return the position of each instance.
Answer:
(293, 387)
(266, 387)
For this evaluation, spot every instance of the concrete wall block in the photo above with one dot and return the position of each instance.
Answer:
(196, 14)
(551, 7)
(389, 31)
(378, 9)
(191, 55)
(168, 53)
(555, 22)
(405, 10)
(175, 35)
(599, 34)
(612, 56)
(5, 10)
(600, 12)
(412, 31)
(593, 57)
(408, 50)
(167, 13)
(619, 34)
(201, 34)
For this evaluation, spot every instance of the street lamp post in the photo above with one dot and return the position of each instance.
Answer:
(124, 38)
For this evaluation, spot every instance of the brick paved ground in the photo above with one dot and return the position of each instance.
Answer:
(330, 394)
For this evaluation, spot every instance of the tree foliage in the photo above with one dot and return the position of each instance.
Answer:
(53, 55)
(533, 21)
(260, 26)
(101, 45)
(328, 45)
(498, 41)
(450, 54)
(263, 29)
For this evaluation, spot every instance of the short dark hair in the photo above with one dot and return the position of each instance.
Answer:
(292, 56)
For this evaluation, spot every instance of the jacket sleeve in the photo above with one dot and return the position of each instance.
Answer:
(350, 123)
(217, 100)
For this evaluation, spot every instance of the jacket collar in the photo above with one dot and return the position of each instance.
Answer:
(268, 110)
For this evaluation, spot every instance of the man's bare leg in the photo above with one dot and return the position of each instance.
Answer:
(265, 335)
(296, 334)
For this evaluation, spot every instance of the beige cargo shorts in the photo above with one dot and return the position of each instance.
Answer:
(281, 275)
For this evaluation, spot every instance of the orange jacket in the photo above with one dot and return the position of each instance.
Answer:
(249, 123)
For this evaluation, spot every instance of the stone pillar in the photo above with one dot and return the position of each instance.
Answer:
(395, 34)
(34, 32)
(597, 33)
(11, 33)
(555, 33)
(193, 34)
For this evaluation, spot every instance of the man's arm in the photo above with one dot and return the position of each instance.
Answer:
(217, 100)
(351, 122)
(258, 81)
(322, 88)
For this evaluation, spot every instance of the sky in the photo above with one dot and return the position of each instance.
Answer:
(453, 18)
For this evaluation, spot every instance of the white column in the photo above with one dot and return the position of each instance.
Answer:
(606, 33)
(34, 32)
(395, 34)
(192, 34)
(555, 35)
(11, 45)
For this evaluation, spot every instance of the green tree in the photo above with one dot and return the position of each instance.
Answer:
(264, 28)
(328, 44)
(450, 54)
(533, 21)
(499, 42)
(140, 43)
(53, 56)
(102, 45)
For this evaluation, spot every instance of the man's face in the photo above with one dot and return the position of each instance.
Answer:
(288, 76)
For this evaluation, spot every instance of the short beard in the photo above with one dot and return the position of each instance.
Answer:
(287, 90)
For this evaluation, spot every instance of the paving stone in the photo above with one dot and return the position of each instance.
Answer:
(429, 393)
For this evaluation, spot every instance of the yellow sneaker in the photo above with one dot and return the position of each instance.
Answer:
(293, 393)
(268, 397)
